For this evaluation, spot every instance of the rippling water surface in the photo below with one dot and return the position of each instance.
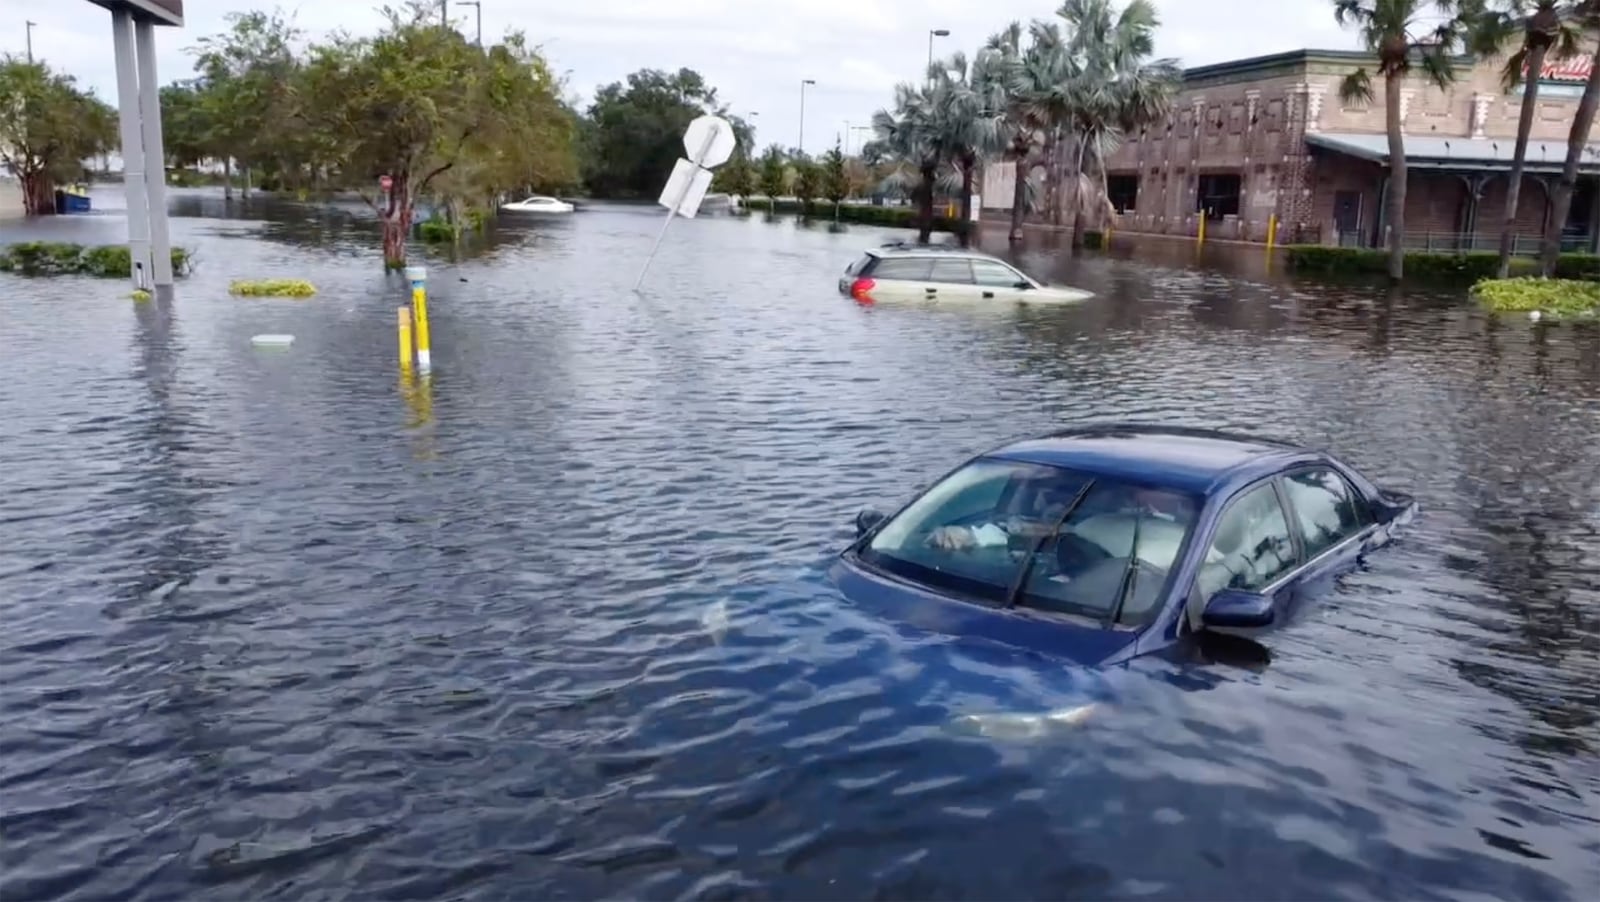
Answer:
(554, 625)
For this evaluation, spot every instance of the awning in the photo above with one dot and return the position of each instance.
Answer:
(1476, 154)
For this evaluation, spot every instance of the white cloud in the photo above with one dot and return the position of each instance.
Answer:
(754, 51)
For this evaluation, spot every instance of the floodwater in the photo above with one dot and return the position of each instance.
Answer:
(554, 624)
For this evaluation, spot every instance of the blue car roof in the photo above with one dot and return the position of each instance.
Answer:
(1198, 461)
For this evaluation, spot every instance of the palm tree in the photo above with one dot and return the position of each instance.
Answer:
(969, 104)
(1122, 88)
(1588, 14)
(1545, 26)
(1025, 76)
(905, 139)
(1398, 34)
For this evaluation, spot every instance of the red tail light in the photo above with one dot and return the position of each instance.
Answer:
(860, 287)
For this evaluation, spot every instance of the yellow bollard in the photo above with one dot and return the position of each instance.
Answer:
(1200, 238)
(419, 314)
(402, 317)
(1110, 230)
(1272, 232)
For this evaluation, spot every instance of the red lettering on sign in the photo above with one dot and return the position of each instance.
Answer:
(1573, 68)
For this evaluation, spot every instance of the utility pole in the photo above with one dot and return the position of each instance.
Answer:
(444, 13)
(935, 33)
(803, 82)
(30, 25)
(478, 6)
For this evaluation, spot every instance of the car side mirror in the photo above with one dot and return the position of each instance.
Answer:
(1238, 609)
(1023, 285)
(868, 520)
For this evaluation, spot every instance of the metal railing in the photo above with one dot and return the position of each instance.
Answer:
(1464, 242)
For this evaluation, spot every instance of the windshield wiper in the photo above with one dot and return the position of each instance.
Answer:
(1027, 565)
(1126, 585)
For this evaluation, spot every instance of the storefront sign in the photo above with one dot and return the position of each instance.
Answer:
(1571, 69)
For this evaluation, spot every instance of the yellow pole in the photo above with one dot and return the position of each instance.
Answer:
(1200, 238)
(1272, 232)
(419, 313)
(402, 317)
(1110, 230)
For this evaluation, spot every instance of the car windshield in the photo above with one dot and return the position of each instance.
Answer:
(974, 533)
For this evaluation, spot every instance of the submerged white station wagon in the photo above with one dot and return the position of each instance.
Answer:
(911, 272)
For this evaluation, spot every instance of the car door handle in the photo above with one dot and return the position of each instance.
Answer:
(931, 290)
(988, 294)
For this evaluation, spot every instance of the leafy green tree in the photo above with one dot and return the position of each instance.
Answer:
(773, 175)
(633, 134)
(807, 183)
(47, 129)
(737, 177)
(835, 178)
(1405, 36)
(184, 127)
(246, 92)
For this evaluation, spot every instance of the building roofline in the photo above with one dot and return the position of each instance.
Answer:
(1288, 58)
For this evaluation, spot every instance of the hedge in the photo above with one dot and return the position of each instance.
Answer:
(56, 258)
(1466, 267)
(860, 214)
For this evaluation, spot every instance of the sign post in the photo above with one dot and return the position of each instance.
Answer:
(709, 141)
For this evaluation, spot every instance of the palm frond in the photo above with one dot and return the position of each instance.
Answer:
(1356, 87)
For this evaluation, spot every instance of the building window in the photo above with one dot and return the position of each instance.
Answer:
(1218, 194)
(1123, 192)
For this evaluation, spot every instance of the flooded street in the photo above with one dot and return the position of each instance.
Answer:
(555, 624)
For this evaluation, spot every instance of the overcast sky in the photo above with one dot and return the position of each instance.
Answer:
(754, 51)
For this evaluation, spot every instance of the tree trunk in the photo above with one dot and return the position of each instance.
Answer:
(925, 198)
(227, 178)
(244, 190)
(1397, 179)
(1077, 194)
(397, 224)
(964, 228)
(1530, 99)
(1561, 201)
(1019, 196)
(38, 194)
(1058, 166)
(1047, 158)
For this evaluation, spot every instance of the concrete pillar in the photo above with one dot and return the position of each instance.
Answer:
(155, 156)
(133, 165)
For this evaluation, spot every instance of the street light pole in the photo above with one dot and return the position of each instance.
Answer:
(935, 33)
(30, 25)
(478, 7)
(803, 82)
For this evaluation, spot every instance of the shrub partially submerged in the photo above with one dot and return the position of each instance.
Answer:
(1559, 297)
(58, 258)
(279, 288)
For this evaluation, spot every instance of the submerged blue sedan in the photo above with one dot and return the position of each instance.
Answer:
(1105, 543)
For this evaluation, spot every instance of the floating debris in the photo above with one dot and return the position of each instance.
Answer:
(262, 288)
(272, 341)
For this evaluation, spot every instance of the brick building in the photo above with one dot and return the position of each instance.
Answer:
(1266, 136)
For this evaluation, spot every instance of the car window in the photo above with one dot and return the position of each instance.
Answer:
(1087, 566)
(988, 273)
(1325, 506)
(909, 269)
(957, 272)
(854, 269)
(973, 530)
(1251, 546)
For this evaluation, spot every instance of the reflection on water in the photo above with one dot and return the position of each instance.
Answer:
(552, 621)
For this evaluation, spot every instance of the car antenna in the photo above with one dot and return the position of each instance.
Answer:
(1027, 565)
(1128, 575)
